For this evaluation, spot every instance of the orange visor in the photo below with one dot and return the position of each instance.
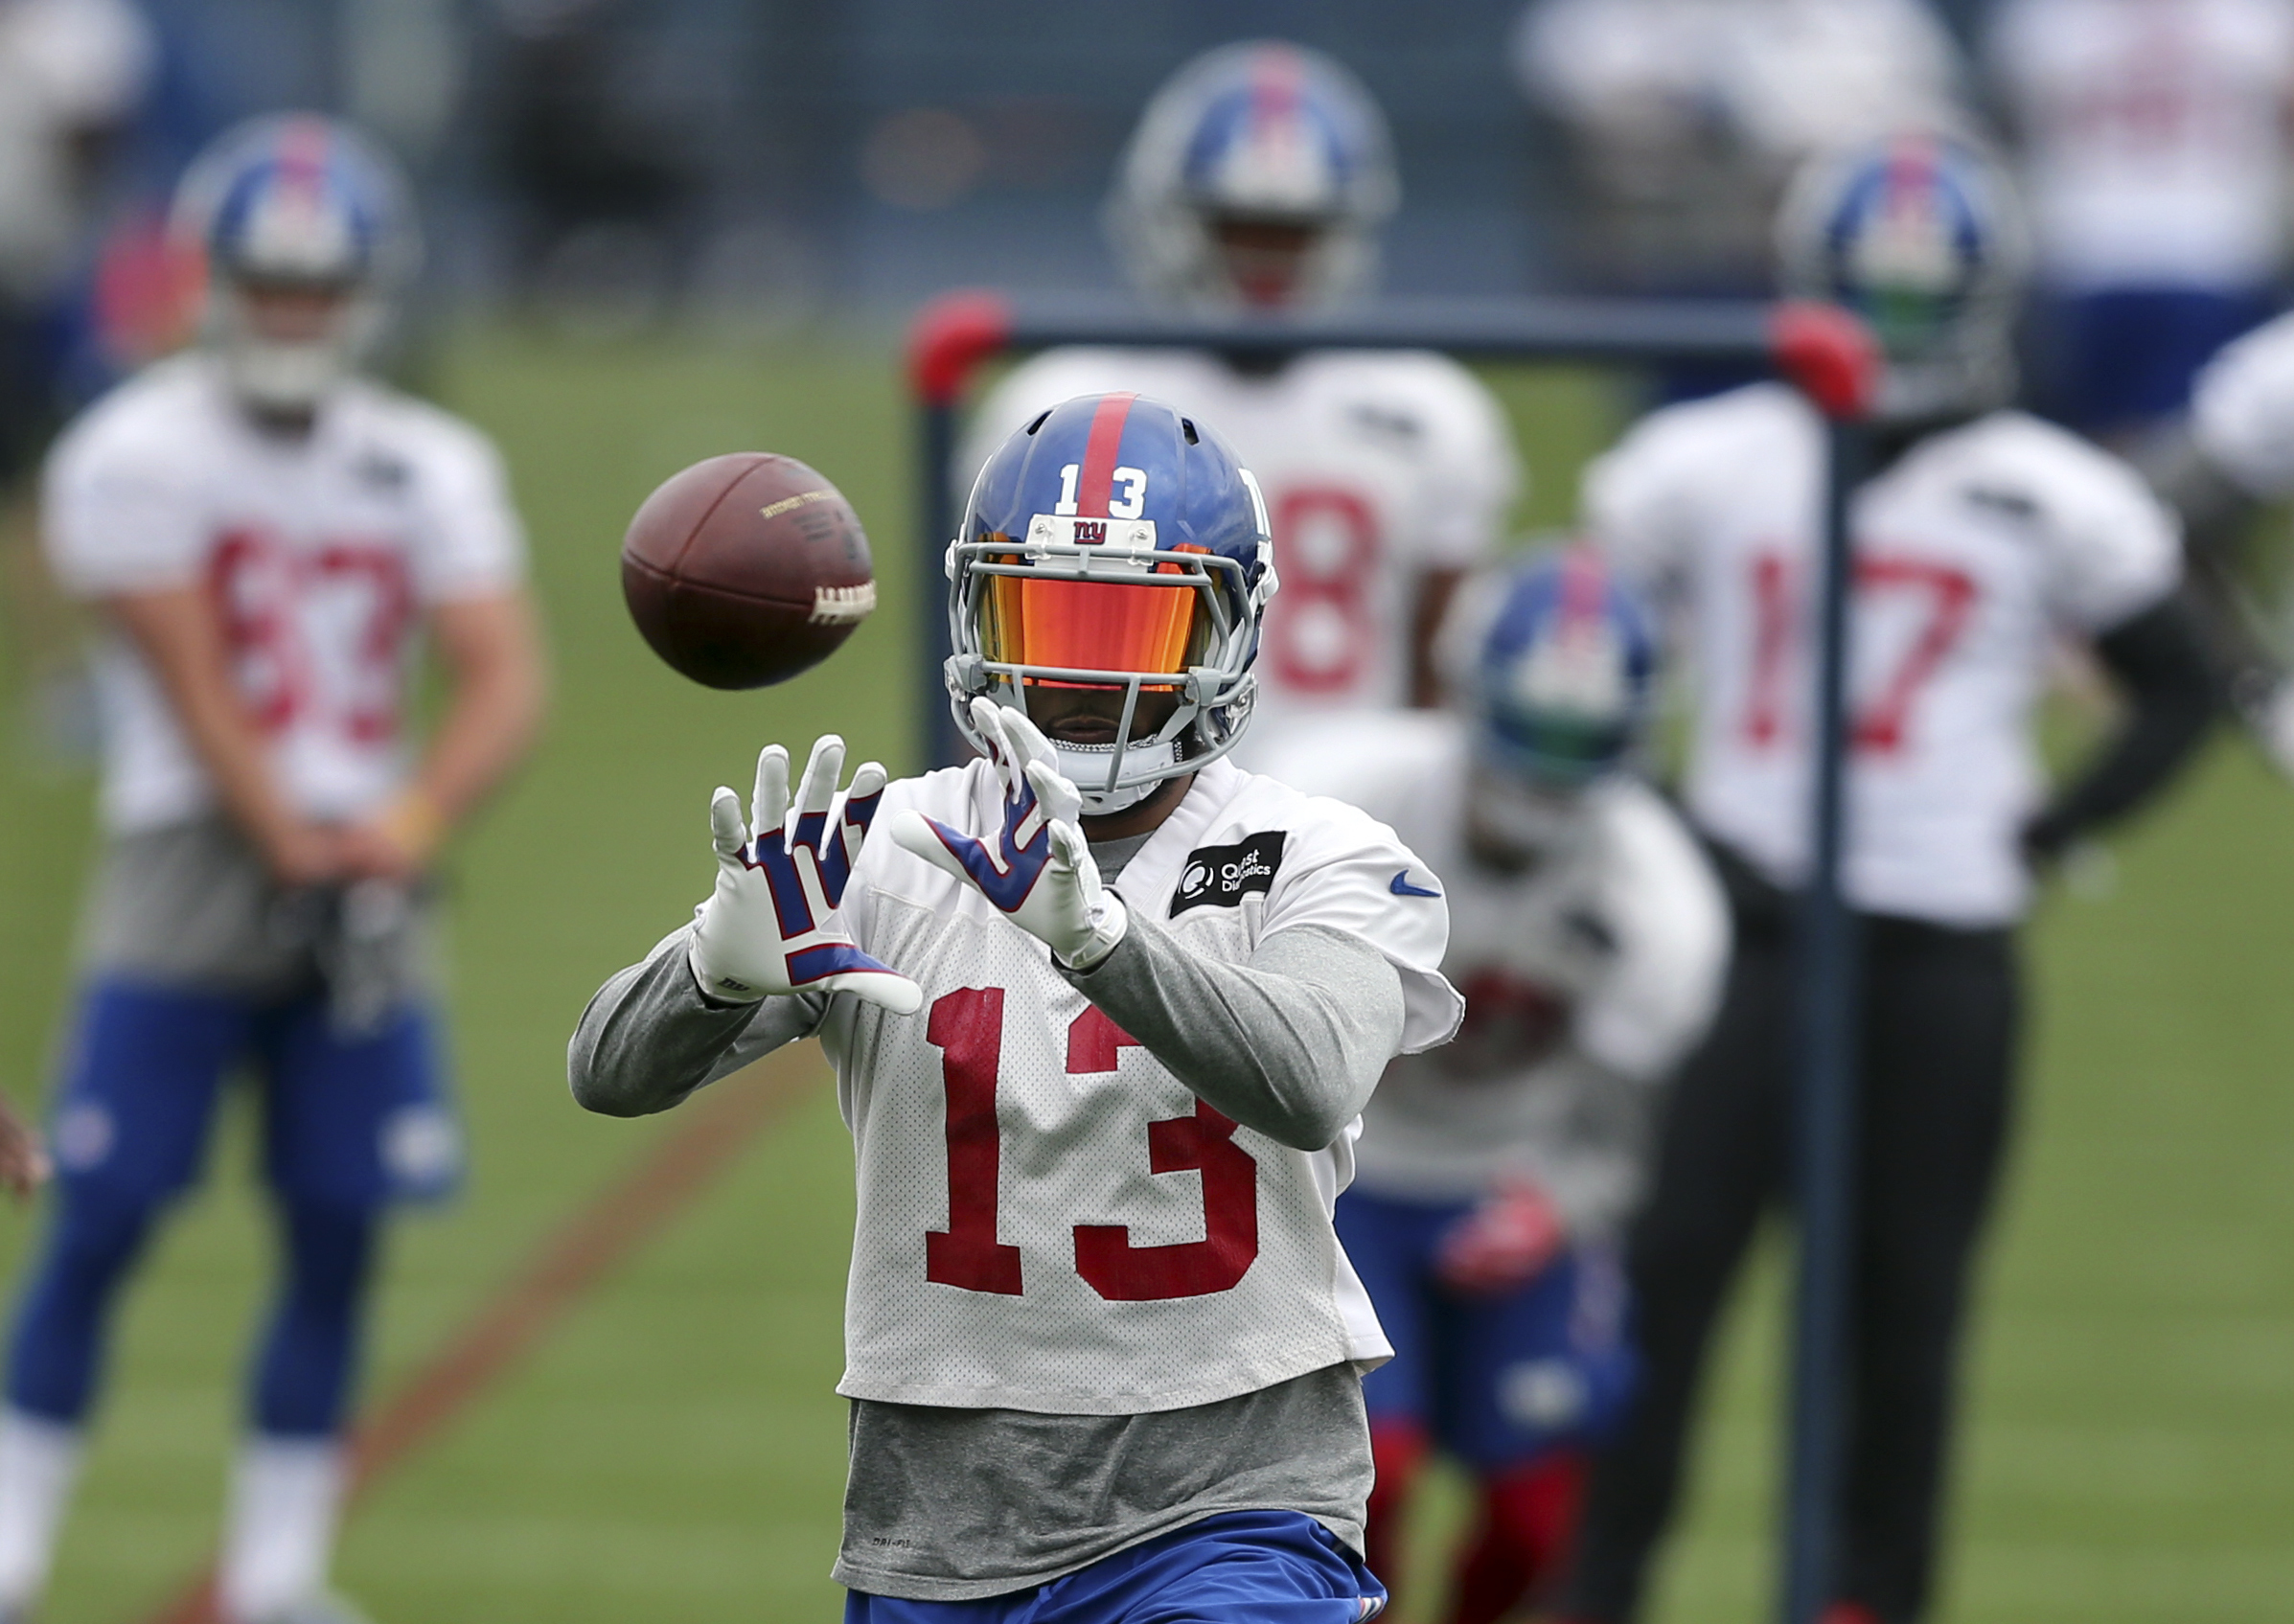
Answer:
(1088, 624)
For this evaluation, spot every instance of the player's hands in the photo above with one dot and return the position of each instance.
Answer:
(24, 1165)
(1503, 1244)
(301, 853)
(771, 925)
(1040, 872)
(397, 844)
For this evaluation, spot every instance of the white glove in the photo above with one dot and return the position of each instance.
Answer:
(1040, 872)
(771, 926)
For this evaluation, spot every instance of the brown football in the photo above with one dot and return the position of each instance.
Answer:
(747, 569)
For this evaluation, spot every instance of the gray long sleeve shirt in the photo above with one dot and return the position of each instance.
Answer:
(950, 1504)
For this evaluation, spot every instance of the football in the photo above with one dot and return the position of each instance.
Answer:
(745, 569)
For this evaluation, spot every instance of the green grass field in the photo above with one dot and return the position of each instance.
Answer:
(676, 1452)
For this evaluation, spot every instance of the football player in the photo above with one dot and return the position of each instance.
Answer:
(266, 539)
(1104, 1010)
(1258, 181)
(1981, 535)
(1495, 1174)
(2153, 152)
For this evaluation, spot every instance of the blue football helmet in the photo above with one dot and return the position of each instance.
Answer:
(1560, 678)
(1920, 235)
(1259, 175)
(297, 201)
(1114, 543)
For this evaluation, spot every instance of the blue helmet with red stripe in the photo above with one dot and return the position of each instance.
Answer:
(1260, 175)
(1560, 677)
(1116, 544)
(296, 203)
(1919, 235)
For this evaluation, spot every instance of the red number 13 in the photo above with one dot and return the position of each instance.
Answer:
(967, 1028)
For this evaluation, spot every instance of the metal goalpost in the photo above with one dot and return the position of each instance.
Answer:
(1822, 352)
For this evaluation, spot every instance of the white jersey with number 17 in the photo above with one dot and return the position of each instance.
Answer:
(1378, 465)
(1973, 551)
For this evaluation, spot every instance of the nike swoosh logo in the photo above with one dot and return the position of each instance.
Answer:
(1402, 888)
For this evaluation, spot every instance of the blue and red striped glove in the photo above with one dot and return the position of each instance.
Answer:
(771, 926)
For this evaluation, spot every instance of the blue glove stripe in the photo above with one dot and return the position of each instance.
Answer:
(836, 862)
(1006, 888)
(788, 903)
(832, 958)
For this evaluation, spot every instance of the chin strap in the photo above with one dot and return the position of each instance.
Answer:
(1087, 763)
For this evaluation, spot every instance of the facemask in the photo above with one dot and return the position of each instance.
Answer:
(1087, 764)
(277, 374)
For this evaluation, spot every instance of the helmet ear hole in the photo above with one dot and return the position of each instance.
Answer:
(1186, 426)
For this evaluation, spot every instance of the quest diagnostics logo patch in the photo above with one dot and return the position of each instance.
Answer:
(1220, 877)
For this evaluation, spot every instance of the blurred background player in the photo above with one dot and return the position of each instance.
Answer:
(2231, 453)
(1981, 535)
(1258, 180)
(1066, 1406)
(2153, 145)
(1681, 122)
(1495, 1174)
(267, 538)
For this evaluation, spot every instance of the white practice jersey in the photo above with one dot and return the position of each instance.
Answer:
(320, 554)
(1587, 978)
(1974, 551)
(1377, 467)
(1785, 77)
(2154, 136)
(1048, 1220)
(2242, 411)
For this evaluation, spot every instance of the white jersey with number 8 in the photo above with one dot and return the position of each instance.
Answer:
(1378, 465)
(1050, 1221)
(1973, 551)
(320, 554)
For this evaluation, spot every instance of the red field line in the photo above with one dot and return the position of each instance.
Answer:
(660, 1183)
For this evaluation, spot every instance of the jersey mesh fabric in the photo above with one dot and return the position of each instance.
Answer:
(1073, 1147)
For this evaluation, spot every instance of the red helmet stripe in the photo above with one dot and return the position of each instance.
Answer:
(1911, 172)
(1584, 580)
(1098, 478)
(301, 154)
(1274, 86)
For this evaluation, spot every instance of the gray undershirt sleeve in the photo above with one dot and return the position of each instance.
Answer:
(650, 1037)
(1290, 1043)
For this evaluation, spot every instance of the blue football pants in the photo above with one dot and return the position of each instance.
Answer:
(1241, 1567)
(132, 1121)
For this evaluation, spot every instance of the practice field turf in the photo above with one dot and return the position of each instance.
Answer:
(673, 1451)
